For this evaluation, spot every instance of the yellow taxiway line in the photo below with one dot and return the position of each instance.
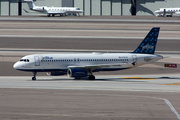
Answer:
(138, 78)
(171, 84)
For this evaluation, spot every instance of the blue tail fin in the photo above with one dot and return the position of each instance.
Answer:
(148, 45)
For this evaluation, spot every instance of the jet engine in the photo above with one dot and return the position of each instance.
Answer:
(74, 72)
(39, 8)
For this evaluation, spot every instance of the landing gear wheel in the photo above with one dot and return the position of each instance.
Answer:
(33, 78)
(91, 77)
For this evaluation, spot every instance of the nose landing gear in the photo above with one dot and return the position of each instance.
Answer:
(34, 76)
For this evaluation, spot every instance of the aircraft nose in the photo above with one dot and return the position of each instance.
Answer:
(16, 66)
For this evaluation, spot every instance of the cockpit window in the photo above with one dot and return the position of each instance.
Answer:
(77, 8)
(24, 60)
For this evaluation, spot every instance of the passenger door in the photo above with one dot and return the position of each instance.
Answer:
(37, 60)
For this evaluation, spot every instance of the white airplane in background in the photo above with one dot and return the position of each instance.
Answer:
(168, 12)
(52, 10)
(83, 65)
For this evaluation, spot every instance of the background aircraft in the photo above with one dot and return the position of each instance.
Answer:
(168, 12)
(83, 65)
(52, 11)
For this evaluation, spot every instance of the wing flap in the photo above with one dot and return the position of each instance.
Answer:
(177, 13)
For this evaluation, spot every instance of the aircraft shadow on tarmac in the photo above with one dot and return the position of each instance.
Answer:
(167, 78)
(144, 79)
(96, 80)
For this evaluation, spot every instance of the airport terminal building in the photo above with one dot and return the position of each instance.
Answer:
(90, 7)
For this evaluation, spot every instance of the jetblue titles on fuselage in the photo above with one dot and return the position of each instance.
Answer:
(47, 58)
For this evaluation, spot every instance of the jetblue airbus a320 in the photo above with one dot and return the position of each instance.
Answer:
(83, 65)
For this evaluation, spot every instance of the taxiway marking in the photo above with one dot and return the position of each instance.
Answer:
(171, 84)
(139, 78)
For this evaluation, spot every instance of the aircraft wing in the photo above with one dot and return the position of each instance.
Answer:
(96, 66)
(177, 13)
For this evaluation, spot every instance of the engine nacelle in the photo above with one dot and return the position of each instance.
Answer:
(56, 73)
(74, 72)
(39, 8)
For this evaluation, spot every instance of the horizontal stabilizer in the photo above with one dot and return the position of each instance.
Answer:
(26, 11)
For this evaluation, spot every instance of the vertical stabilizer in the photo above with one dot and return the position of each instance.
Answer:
(148, 45)
(31, 4)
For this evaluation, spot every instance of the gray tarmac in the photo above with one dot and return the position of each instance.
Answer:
(117, 19)
(106, 44)
(46, 104)
(148, 92)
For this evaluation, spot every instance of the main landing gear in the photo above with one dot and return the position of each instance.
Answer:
(34, 76)
(49, 15)
(91, 77)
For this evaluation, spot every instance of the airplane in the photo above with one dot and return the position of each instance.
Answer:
(168, 12)
(52, 11)
(83, 65)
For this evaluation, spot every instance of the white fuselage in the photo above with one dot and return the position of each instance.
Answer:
(167, 11)
(57, 10)
(97, 61)
(52, 10)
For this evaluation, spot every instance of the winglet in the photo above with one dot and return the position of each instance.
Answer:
(148, 45)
